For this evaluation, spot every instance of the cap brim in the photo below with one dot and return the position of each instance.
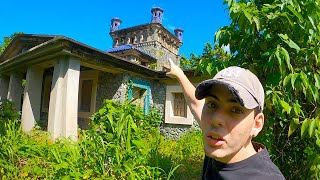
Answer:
(240, 93)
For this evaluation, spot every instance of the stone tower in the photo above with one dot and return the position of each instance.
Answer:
(115, 24)
(153, 38)
(156, 15)
(178, 33)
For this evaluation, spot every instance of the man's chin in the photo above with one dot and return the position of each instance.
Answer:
(215, 153)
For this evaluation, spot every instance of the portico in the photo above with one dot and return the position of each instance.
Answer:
(58, 74)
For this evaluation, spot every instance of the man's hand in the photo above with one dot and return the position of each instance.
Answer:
(175, 71)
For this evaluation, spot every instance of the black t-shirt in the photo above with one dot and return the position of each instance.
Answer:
(258, 166)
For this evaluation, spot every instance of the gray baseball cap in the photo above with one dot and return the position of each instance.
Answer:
(242, 83)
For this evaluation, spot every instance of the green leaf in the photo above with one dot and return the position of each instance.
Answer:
(297, 108)
(285, 106)
(242, 19)
(197, 70)
(293, 126)
(304, 126)
(248, 15)
(293, 79)
(304, 79)
(295, 12)
(293, 45)
(312, 22)
(283, 36)
(209, 69)
(312, 127)
(287, 79)
(217, 35)
(286, 56)
(285, 14)
(279, 61)
(315, 92)
(287, 40)
(317, 80)
(257, 21)
(138, 143)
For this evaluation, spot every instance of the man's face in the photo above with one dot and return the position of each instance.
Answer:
(227, 126)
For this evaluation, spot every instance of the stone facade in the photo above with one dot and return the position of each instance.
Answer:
(153, 38)
(111, 86)
(115, 87)
(174, 131)
(161, 53)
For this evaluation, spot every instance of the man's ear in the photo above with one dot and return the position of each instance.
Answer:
(258, 124)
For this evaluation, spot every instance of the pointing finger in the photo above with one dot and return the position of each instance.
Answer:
(171, 62)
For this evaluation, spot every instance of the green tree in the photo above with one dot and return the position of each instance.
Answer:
(279, 41)
(209, 54)
(6, 41)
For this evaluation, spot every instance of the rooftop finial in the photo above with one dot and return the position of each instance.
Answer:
(178, 33)
(115, 24)
(156, 15)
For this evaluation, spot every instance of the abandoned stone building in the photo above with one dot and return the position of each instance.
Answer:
(67, 81)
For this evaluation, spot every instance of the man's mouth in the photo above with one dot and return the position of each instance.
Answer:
(214, 140)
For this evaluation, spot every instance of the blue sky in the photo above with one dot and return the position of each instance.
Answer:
(89, 21)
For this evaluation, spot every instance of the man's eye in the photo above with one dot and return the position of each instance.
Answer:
(237, 110)
(211, 105)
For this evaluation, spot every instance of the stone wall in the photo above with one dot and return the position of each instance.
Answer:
(161, 53)
(174, 131)
(111, 86)
(115, 87)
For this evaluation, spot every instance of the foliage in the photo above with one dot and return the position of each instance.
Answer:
(7, 113)
(125, 126)
(153, 66)
(120, 144)
(6, 41)
(186, 152)
(7, 110)
(210, 54)
(279, 42)
(190, 63)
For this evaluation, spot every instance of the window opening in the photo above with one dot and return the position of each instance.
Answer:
(180, 105)
(86, 91)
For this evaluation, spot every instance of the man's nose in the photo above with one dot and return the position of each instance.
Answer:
(217, 118)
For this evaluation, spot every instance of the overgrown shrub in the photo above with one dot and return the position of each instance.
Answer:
(121, 144)
(7, 113)
(125, 128)
(187, 153)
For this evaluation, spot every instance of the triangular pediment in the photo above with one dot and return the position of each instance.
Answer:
(22, 43)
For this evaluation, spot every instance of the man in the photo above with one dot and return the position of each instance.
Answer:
(228, 108)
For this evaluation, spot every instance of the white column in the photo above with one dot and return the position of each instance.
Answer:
(32, 98)
(15, 90)
(63, 106)
(4, 85)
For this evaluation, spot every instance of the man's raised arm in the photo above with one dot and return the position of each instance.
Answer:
(194, 104)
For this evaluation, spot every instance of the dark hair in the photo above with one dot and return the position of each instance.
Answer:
(257, 110)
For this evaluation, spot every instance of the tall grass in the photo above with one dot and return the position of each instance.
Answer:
(121, 143)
